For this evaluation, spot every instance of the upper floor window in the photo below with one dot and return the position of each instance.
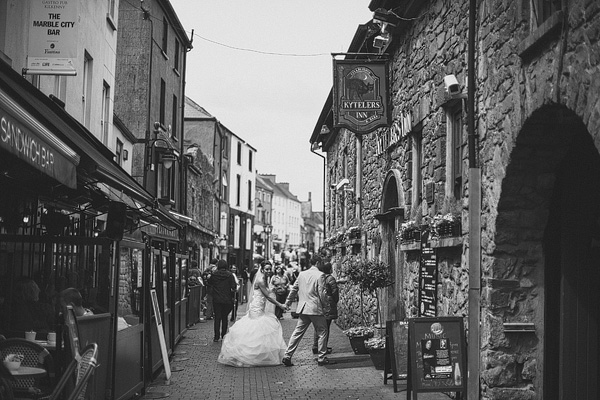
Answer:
(86, 89)
(163, 95)
(541, 10)
(119, 152)
(250, 160)
(224, 147)
(456, 144)
(105, 122)
(174, 118)
(111, 8)
(249, 195)
(165, 35)
(239, 153)
(416, 143)
(238, 197)
(176, 60)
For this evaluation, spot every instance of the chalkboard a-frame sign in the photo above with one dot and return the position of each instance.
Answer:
(437, 359)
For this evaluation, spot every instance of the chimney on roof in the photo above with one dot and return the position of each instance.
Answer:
(309, 196)
(286, 185)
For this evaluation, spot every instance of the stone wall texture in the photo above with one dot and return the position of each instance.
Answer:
(529, 82)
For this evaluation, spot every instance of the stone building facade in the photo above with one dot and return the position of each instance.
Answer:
(536, 140)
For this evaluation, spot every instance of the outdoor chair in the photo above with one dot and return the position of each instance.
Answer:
(34, 355)
(80, 370)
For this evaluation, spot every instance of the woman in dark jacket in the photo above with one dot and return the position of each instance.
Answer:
(330, 308)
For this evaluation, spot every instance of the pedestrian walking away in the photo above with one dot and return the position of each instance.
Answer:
(224, 287)
(310, 289)
(330, 307)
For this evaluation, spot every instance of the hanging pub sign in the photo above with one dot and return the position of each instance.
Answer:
(360, 95)
(53, 35)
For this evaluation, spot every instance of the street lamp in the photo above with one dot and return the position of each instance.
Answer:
(268, 230)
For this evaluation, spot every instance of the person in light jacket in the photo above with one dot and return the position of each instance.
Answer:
(310, 289)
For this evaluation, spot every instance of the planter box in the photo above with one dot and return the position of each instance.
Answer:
(358, 345)
(378, 358)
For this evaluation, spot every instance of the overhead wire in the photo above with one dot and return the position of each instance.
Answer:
(192, 33)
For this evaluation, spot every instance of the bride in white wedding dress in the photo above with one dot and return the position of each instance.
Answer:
(256, 339)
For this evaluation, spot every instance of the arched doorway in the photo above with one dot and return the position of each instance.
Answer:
(390, 217)
(546, 260)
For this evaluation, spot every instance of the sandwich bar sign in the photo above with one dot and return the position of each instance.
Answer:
(360, 95)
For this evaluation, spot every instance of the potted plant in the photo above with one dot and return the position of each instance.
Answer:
(369, 276)
(448, 221)
(357, 336)
(376, 348)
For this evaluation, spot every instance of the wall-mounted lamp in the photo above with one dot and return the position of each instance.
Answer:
(167, 154)
(167, 158)
(26, 216)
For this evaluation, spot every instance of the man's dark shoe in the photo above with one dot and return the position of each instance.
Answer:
(315, 350)
(216, 339)
(329, 350)
(287, 361)
(326, 362)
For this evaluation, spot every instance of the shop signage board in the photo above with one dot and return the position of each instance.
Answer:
(428, 272)
(437, 358)
(360, 95)
(53, 36)
(396, 363)
(26, 138)
(161, 334)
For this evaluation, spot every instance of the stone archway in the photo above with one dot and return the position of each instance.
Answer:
(391, 216)
(543, 267)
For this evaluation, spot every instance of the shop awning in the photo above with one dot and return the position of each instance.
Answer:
(96, 160)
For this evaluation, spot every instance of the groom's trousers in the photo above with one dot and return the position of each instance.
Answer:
(304, 321)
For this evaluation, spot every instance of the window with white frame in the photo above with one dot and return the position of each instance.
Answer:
(236, 232)
(455, 149)
(86, 89)
(105, 122)
(416, 143)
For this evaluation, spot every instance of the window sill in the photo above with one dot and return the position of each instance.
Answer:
(166, 57)
(177, 72)
(540, 36)
(445, 242)
(111, 22)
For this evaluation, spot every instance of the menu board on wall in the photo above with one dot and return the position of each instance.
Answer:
(428, 272)
(437, 355)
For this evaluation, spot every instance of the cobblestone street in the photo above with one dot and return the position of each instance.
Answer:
(201, 377)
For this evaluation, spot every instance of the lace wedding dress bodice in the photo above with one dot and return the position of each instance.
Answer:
(257, 306)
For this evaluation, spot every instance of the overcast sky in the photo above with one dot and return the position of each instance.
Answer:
(263, 68)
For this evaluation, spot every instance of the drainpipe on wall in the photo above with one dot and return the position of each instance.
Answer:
(147, 150)
(324, 170)
(473, 349)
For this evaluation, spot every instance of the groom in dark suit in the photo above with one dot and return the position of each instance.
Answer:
(310, 289)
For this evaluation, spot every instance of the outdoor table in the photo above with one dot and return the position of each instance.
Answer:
(28, 372)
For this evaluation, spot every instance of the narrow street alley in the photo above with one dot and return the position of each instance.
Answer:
(197, 375)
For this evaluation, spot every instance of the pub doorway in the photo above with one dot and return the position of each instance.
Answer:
(390, 218)
(546, 257)
(572, 275)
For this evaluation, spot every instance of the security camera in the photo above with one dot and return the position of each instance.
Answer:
(382, 41)
(342, 183)
(451, 84)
